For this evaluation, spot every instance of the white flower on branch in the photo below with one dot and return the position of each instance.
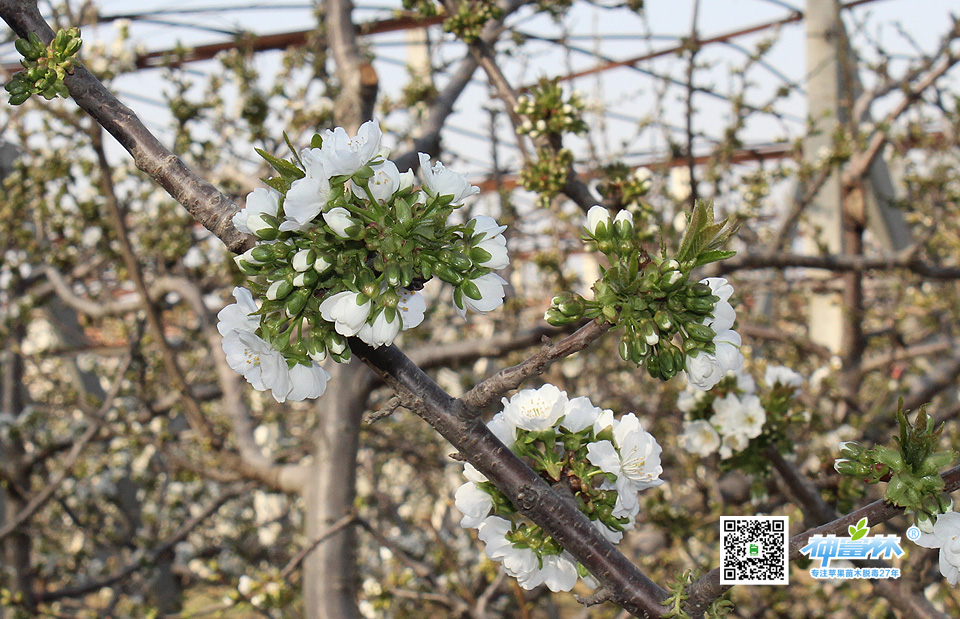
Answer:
(347, 310)
(239, 316)
(439, 181)
(343, 155)
(474, 503)
(492, 241)
(946, 537)
(491, 295)
(634, 460)
(700, 438)
(260, 201)
(782, 375)
(535, 409)
(705, 369)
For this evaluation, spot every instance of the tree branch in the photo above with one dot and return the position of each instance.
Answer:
(464, 430)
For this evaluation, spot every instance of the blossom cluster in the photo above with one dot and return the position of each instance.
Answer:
(670, 324)
(727, 422)
(545, 111)
(911, 469)
(603, 461)
(345, 242)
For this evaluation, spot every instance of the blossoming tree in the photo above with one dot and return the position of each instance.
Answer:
(346, 249)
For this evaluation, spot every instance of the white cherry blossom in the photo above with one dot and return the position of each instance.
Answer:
(260, 201)
(535, 409)
(700, 438)
(238, 316)
(439, 181)
(491, 295)
(343, 155)
(347, 310)
(946, 537)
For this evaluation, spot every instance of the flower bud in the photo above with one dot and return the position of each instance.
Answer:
(264, 253)
(623, 225)
(663, 320)
(296, 301)
(598, 222)
(700, 305)
(569, 304)
(307, 279)
(322, 264)
(303, 260)
(673, 280)
(925, 522)
(648, 331)
(851, 449)
(264, 226)
(700, 333)
(851, 468)
(279, 289)
(554, 317)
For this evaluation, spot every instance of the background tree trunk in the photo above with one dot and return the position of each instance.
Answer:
(330, 579)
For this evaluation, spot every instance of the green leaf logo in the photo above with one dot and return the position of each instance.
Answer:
(858, 531)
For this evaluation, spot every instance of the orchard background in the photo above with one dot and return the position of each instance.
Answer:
(142, 477)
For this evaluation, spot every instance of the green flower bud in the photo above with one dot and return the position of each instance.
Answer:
(663, 320)
(851, 449)
(653, 367)
(26, 49)
(297, 300)
(851, 468)
(700, 333)
(699, 290)
(625, 349)
(569, 304)
(393, 275)
(389, 299)
(264, 253)
(554, 317)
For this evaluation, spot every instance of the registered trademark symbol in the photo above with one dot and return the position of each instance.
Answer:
(913, 534)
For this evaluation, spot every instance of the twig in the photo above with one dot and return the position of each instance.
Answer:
(301, 556)
(512, 377)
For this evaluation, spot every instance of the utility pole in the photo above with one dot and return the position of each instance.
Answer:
(832, 88)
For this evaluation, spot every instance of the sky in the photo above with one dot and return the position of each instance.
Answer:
(623, 101)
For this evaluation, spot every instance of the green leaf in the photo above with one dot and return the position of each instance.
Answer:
(293, 150)
(284, 167)
(715, 255)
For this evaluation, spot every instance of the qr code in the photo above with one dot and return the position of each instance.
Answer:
(753, 550)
